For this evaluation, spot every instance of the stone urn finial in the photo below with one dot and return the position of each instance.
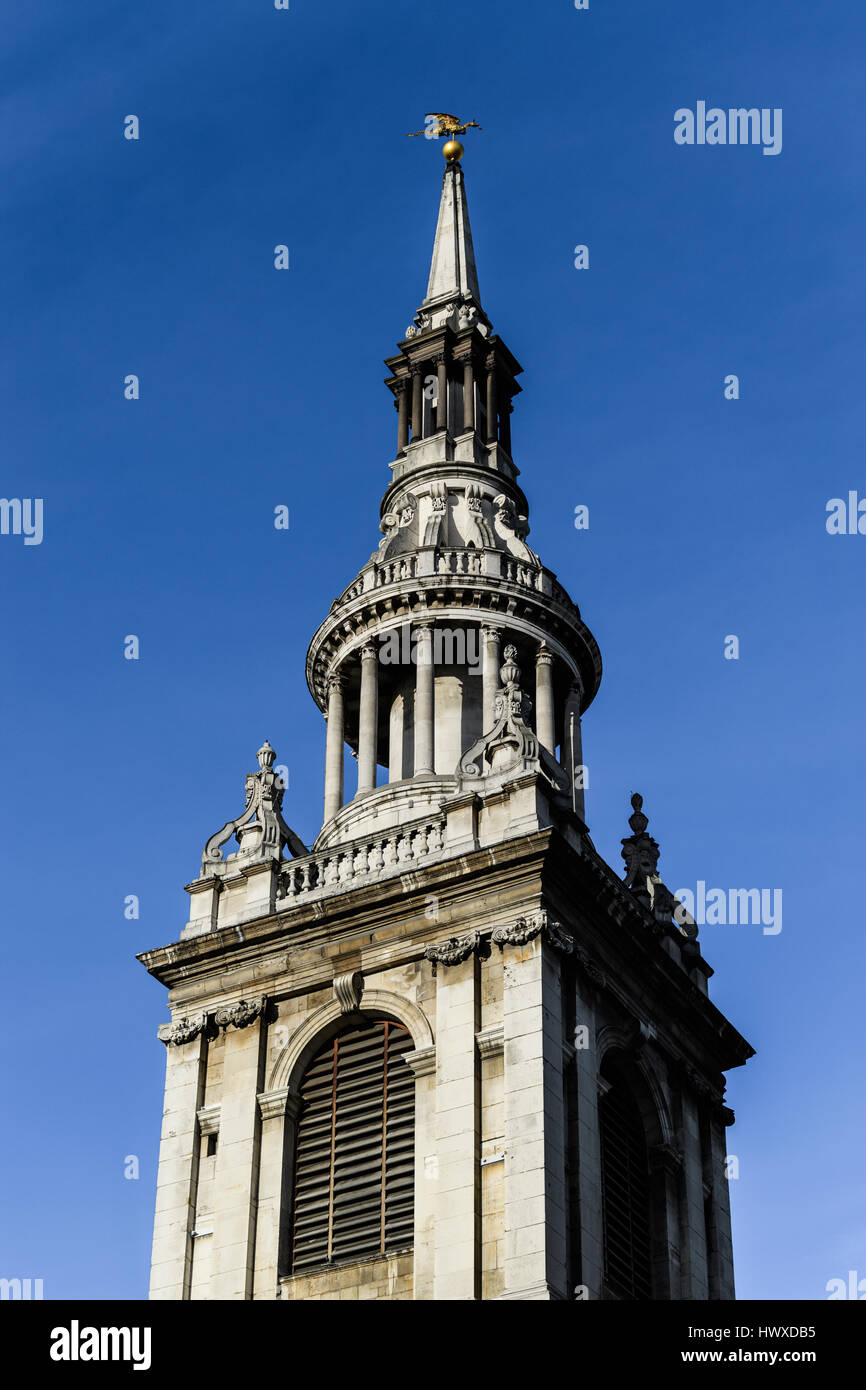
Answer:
(266, 756)
(638, 821)
(509, 671)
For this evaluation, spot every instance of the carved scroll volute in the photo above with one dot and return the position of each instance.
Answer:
(348, 990)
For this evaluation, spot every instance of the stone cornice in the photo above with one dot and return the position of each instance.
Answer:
(509, 866)
(635, 961)
(454, 597)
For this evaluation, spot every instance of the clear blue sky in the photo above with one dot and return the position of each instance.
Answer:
(259, 387)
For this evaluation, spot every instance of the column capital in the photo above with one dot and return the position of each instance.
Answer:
(493, 630)
(336, 683)
(369, 652)
(543, 656)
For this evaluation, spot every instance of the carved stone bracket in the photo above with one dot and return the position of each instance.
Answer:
(526, 928)
(456, 949)
(348, 990)
(240, 1014)
(185, 1030)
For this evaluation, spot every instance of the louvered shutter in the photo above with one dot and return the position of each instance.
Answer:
(625, 1195)
(354, 1163)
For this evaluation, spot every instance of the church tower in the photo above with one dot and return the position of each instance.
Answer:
(448, 1052)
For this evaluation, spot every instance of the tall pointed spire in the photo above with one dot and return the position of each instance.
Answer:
(452, 269)
(453, 296)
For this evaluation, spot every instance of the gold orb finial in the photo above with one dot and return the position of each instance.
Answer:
(440, 125)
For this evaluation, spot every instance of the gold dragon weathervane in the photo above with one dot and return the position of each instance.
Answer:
(446, 125)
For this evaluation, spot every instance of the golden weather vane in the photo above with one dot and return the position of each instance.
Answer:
(446, 125)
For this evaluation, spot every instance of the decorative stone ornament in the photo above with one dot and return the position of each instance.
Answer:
(456, 949)
(527, 928)
(240, 1014)
(510, 749)
(261, 832)
(185, 1030)
(348, 990)
(641, 854)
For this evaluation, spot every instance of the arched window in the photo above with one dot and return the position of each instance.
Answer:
(625, 1191)
(354, 1162)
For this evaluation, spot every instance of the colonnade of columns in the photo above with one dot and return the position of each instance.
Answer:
(492, 638)
(410, 399)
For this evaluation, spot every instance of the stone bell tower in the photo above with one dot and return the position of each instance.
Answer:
(447, 1052)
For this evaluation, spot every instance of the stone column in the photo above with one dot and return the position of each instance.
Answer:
(468, 395)
(441, 394)
(424, 699)
(572, 748)
(177, 1178)
(334, 748)
(279, 1112)
(456, 1263)
(369, 718)
(491, 401)
(237, 1163)
(492, 639)
(545, 724)
(535, 1183)
(402, 417)
(417, 404)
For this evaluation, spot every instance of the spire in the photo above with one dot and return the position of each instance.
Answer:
(453, 296)
(452, 269)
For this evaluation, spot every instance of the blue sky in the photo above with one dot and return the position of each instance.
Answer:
(260, 388)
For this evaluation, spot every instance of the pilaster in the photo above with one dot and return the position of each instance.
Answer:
(535, 1191)
(456, 1268)
(171, 1269)
(237, 1161)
